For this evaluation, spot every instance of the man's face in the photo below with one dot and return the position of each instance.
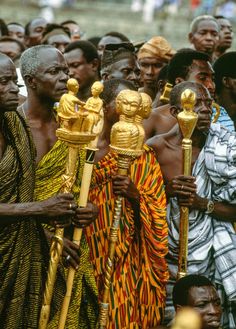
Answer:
(75, 31)
(10, 48)
(207, 302)
(225, 35)
(126, 69)
(203, 108)
(16, 32)
(150, 68)
(205, 37)
(8, 86)
(52, 75)
(59, 41)
(202, 72)
(36, 29)
(80, 69)
(105, 41)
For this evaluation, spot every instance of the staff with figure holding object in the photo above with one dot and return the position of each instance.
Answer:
(96, 104)
(75, 140)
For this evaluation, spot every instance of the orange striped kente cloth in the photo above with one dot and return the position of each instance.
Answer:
(137, 293)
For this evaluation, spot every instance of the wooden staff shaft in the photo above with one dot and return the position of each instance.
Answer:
(83, 198)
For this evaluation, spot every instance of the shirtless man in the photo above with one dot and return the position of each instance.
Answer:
(186, 65)
(212, 206)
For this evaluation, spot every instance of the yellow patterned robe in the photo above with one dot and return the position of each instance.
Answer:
(137, 294)
(83, 310)
(22, 253)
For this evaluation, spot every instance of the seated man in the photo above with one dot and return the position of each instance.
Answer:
(210, 195)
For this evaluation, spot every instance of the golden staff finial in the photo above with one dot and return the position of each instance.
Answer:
(187, 120)
(71, 115)
(126, 140)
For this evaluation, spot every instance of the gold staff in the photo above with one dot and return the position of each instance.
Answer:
(94, 106)
(187, 120)
(69, 118)
(126, 137)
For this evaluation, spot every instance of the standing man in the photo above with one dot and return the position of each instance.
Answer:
(152, 56)
(23, 248)
(186, 65)
(210, 195)
(82, 59)
(139, 275)
(225, 36)
(45, 72)
(119, 61)
(204, 34)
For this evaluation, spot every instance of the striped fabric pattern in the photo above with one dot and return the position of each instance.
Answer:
(212, 243)
(137, 293)
(22, 264)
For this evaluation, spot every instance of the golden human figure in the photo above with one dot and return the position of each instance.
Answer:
(143, 113)
(125, 133)
(68, 110)
(92, 108)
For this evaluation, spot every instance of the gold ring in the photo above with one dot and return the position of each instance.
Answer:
(182, 187)
(70, 206)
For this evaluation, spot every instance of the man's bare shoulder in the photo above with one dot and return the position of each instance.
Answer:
(159, 142)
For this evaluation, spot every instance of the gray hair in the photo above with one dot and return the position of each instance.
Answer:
(198, 19)
(30, 60)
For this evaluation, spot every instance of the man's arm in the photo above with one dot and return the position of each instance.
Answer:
(57, 207)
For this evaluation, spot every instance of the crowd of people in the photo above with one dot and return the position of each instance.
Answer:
(36, 62)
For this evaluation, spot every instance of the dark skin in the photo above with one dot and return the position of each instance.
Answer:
(161, 121)
(225, 37)
(205, 37)
(206, 302)
(169, 154)
(36, 29)
(126, 68)
(122, 185)
(85, 73)
(227, 97)
(44, 89)
(61, 206)
(150, 68)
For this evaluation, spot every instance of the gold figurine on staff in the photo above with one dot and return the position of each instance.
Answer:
(94, 105)
(127, 141)
(187, 120)
(70, 111)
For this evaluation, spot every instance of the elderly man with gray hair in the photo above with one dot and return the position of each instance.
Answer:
(204, 34)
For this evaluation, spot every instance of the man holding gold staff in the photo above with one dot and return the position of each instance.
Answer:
(23, 247)
(46, 73)
(139, 275)
(210, 196)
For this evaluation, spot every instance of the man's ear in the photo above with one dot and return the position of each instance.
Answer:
(95, 64)
(30, 81)
(105, 76)
(190, 37)
(174, 110)
(177, 307)
(161, 85)
(178, 80)
(227, 83)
